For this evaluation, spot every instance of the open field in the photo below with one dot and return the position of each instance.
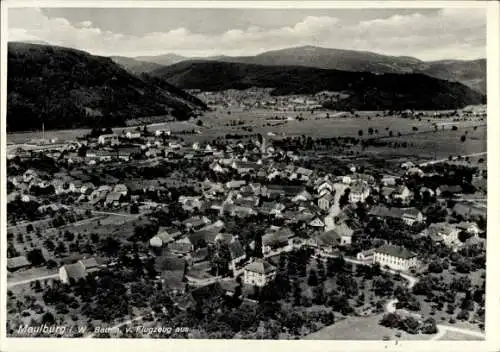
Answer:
(362, 328)
(439, 144)
(314, 125)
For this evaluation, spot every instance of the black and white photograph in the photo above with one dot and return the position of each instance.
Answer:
(247, 173)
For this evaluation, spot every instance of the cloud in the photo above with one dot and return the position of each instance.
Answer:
(448, 33)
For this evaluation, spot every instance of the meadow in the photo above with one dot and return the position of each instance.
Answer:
(219, 123)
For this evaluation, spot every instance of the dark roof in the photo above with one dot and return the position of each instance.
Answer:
(383, 211)
(173, 280)
(328, 238)
(89, 263)
(17, 262)
(279, 236)
(169, 262)
(396, 251)
(206, 236)
(260, 266)
(75, 271)
(236, 249)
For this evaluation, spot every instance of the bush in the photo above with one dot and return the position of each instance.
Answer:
(435, 267)
(463, 315)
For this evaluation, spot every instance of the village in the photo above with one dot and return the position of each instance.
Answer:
(207, 227)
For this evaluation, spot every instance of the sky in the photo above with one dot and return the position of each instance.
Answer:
(427, 34)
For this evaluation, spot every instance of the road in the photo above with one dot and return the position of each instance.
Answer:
(442, 329)
(27, 281)
(446, 159)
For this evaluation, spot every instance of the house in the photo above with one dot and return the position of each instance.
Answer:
(407, 165)
(235, 184)
(469, 227)
(121, 188)
(448, 191)
(259, 273)
(359, 192)
(323, 186)
(325, 201)
(415, 171)
(190, 203)
(408, 215)
(182, 245)
(162, 239)
(366, 255)
(325, 243)
(17, 263)
(403, 194)
(196, 222)
(344, 233)
(411, 216)
(395, 257)
(70, 273)
(90, 264)
(303, 173)
(277, 239)
(303, 196)
(162, 132)
(271, 208)
(202, 238)
(133, 134)
(87, 188)
(113, 199)
(388, 180)
(317, 223)
(237, 253)
(445, 232)
(423, 190)
(111, 139)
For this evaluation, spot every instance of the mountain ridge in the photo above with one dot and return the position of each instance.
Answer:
(469, 72)
(365, 90)
(48, 83)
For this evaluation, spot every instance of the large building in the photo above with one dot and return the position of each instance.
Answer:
(259, 273)
(395, 257)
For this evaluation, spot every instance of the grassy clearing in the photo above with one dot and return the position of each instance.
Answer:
(361, 328)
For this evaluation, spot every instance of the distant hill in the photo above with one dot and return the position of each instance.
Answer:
(165, 60)
(67, 88)
(470, 73)
(134, 66)
(366, 90)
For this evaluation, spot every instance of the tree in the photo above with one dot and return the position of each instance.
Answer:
(435, 267)
(463, 138)
(36, 257)
(313, 278)
(360, 133)
(429, 326)
(370, 131)
(134, 208)
(199, 122)
(391, 320)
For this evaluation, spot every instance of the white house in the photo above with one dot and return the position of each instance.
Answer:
(395, 257)
(359, 193)
(108, 139)
(325, 201)
(259, 273)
